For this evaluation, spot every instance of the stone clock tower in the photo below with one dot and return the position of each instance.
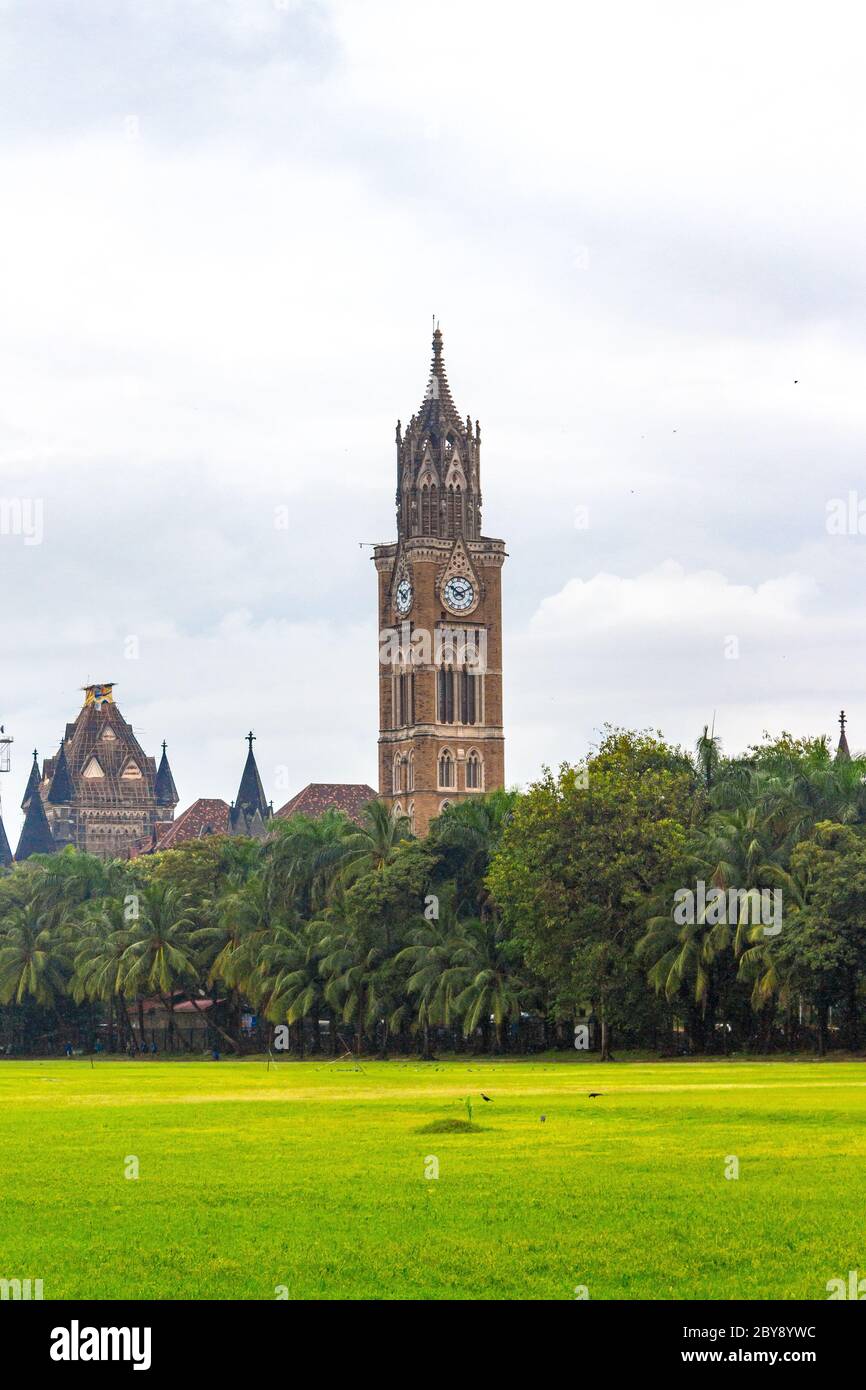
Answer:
(440, 619)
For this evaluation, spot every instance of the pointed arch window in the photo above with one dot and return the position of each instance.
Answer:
(474, 772)
(93, 770)
(446, 768)
(468, 697)
(429, 510)
(445, 683)
(400, 778)
(404, 699)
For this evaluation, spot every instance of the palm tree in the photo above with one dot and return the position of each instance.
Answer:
(302, 857)
(708, 757)
(368, 847)
(467, 835)
(351, 968)
(30, 965)
(160, 958)
(492, 989)
(292, 985)
(243, 923)
(436, 978)
(99, 965)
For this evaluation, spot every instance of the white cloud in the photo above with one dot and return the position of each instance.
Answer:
(227, 312)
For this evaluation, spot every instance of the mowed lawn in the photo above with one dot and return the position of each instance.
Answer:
(311, 1176)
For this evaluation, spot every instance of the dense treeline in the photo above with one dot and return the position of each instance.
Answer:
(518, 917)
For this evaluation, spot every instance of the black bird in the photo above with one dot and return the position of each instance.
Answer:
(592, 1094)
(484, 1097)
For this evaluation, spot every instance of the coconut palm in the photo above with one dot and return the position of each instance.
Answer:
(493, 990)
(31, 965)
(436, 979)
(100, 961)
(367, 847)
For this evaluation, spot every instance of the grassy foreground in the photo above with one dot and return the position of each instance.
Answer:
(312, 1176)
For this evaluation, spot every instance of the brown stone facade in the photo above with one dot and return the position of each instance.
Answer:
(441, 734)
(101, 792)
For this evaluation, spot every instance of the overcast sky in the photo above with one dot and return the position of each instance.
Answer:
(226, 225)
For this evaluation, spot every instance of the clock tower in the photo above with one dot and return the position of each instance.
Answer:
(440, 619)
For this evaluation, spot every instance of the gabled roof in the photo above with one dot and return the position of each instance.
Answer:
(36, 837)
(61, 791)
(100, 737)
(203, 817)
(318, 797)
(5, 851)
(32, 781)
(166, 791)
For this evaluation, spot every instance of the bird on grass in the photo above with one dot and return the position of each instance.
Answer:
(593, 1094)
(484, 1097)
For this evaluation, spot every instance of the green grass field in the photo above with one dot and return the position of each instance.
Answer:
(312, 1176)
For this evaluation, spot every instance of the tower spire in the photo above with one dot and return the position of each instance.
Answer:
(32, 782)
(164, 788)
(36, 837)
(250, 801)
(843, 752)
(438, 463)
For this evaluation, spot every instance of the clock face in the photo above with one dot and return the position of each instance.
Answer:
(403, 596)
(459, 594)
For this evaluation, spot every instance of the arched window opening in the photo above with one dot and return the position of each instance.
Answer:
(446, 695)
(446, 769)
(474, 772)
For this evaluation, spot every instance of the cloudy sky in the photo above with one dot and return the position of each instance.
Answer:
(226, 227)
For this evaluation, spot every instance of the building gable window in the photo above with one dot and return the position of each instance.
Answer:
(93, 770)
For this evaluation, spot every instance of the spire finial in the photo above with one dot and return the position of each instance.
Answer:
(164, 746)
(842, 720)
(250, 738)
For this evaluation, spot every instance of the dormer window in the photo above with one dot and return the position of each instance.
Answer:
(131, 772)
(93, 770)
(109, 735)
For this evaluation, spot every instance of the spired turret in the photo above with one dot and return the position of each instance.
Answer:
(166, 791)
(36, 836)
(33, 782)
(250, 812)
(438, 464)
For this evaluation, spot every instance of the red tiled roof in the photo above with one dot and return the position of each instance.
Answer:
(349, 797)
(204, 817)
